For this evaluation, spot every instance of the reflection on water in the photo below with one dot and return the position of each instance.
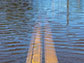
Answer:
(31, 29)
(15, 29)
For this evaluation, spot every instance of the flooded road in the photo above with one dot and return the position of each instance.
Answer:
(43, 31)
(35, 52)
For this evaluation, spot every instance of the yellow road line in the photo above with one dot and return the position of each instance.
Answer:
(34, 53)
(50, 53)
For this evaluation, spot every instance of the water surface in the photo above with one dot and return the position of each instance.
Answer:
(59, 28)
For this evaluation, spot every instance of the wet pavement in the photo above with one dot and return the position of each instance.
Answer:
(43, 31)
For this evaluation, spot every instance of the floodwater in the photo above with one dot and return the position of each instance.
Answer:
(41, 31)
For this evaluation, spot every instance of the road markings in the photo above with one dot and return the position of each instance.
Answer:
(50, 53)
(35, 50)
(34, 53)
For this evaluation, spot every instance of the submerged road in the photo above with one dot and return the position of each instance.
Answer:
(34, 54)
(35, 50)
(50, 53)
(41, 31)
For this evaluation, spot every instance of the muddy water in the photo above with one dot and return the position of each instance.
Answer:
(58, 30)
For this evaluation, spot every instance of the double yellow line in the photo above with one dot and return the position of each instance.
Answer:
(34, 53)
(35, 50)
